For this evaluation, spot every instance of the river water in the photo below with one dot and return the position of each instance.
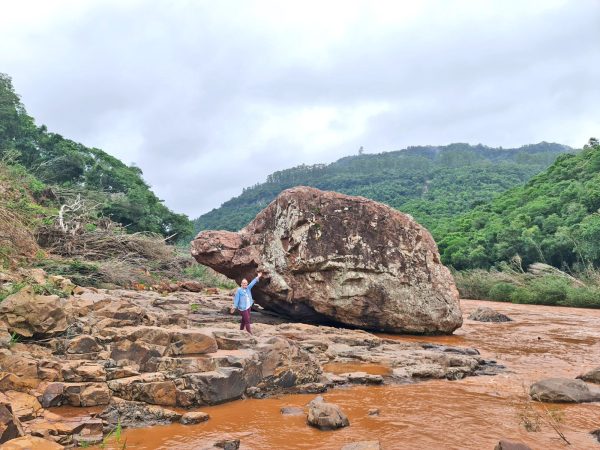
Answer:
(474, 413)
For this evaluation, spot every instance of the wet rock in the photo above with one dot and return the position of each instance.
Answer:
(308, 388)
(194, 417)
(362, 445)
(486, 314)
(593, 376)
(10, 426)
(31, 443)
(284, 364)
(362, 378)
(563, 390)
(137, 414)
(228, 444)
(325, 262)
(292, 411)
(509, 445)
(27, 313)
(326, 416)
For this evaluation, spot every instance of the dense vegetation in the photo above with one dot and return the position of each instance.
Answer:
(118, 191)
(433, 184)
(553, 218)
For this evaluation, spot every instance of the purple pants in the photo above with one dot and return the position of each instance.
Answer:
(245, 320)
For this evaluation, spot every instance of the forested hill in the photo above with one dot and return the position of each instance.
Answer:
(554, 218)
(433, 184)
(67, 168)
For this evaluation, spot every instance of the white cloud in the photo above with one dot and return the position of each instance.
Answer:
(210, 97)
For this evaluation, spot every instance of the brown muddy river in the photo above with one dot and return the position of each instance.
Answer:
(474, 413)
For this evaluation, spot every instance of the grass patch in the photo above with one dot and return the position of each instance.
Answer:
(12, 289)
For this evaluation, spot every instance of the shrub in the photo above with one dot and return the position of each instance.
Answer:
(502, 292)
(583, 297)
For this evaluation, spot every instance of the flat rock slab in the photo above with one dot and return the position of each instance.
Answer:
(563, 390)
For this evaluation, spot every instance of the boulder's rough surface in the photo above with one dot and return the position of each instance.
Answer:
(593, 376)
(326, 416)
(335, 258)
(563, 390)
(485, 314)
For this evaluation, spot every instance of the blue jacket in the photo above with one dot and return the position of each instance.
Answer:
(243, 297)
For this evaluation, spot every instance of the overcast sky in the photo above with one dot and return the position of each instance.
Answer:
(208, 97)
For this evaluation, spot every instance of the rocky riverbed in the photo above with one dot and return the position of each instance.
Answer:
(120, 351)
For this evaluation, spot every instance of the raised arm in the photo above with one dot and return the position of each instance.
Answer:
(253, 282)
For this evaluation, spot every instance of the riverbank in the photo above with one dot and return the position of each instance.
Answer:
(104, 348)
(471, 413)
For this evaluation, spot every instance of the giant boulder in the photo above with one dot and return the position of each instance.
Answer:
(331, 257)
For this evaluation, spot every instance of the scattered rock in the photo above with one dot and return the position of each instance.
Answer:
(325, 262)
(228, 444)
(326, 416)
(374, 411)
(31, 443)
(485, 314)
(563, 390)
(292, 411)
(596, 434)
(362, 445)
(509, 445)
(593, 376)
(194, 417)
